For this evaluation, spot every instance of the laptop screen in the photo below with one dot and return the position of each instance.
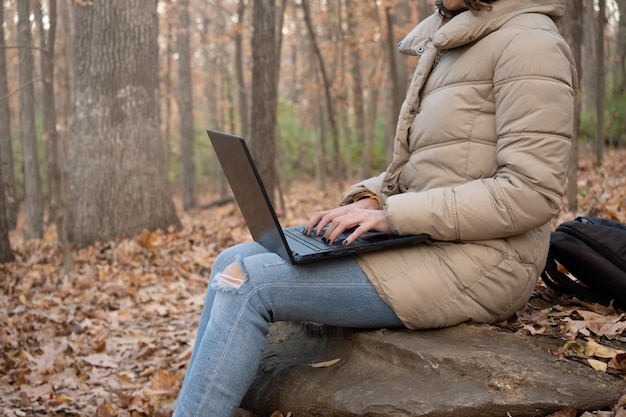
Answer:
(249, 191)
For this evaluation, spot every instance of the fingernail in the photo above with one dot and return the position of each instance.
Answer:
(345, 242)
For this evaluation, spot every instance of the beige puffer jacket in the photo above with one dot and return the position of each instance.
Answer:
(480, 161)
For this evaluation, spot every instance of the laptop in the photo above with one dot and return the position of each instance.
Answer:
(260, 217)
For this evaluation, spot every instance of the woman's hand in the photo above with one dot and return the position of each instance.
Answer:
(362, 216)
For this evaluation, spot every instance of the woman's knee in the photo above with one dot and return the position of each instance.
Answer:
(248, 267)
(235, 253)
(231, 277)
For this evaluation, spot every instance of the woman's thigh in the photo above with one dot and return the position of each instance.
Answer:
(334, 292)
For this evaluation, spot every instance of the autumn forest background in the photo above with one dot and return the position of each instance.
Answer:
(113, 206)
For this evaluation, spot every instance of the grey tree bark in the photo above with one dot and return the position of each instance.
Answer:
(242, 90)
(397, 89)
(58, 207)
(185, 109)
(167, 76)
(6, 255)
(64, 60)
(7, 185)
(118, 168)
(589, 76)
(600, 88)
(572, 28)
(321, 156)
(264, 92)
(363, 141)
(33, 196)
(64, 95)
(338, 165)
(620, 79)
(46, 65)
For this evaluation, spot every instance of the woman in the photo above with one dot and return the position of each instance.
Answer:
(479, 163)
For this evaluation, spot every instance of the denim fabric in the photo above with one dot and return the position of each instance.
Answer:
(232, 332)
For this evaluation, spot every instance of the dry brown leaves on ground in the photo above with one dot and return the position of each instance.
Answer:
(114, 337)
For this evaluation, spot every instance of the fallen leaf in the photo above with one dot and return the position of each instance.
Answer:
(325, 364)
(106, 410)
(126, 383)
(618, 362)
(597, 365)
(101, 360)
(599, 351)
(163, 381)
(62, 399)
(40, 391)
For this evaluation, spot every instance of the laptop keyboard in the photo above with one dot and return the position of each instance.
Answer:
(314, 242)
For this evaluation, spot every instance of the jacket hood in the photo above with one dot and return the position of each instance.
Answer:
(471, 26)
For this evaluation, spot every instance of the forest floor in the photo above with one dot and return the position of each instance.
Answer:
(113, 338)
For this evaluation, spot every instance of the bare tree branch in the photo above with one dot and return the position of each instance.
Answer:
(23, 47)
(20, 88)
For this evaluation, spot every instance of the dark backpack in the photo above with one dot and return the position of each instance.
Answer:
(593, 250)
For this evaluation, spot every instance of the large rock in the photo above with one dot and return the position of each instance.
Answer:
(467, 370)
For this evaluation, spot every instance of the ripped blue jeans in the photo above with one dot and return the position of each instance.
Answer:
(237, 313)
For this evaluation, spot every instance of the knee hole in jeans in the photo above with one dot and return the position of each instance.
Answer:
(231, 277)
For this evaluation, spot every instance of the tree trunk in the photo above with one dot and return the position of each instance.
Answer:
(402, 19)
(396, 83)
(338, 169)
(210, 92)
(599, 149)
(64, 63)
(363, 142)
(341, 89)
(295, 89)
(318, 119)
(7, 186)
(590, 75)
(321, 155)
(58, 210)
(118, 174)
(280, 14)
(242, 90)
(265, 61)
(620, 79)
(33, 197)
(47, 98)
(167, 77)
(6, 255)
(572, 29)
(185, 109)
(424, 9)
(619, 86)
(376, 74)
